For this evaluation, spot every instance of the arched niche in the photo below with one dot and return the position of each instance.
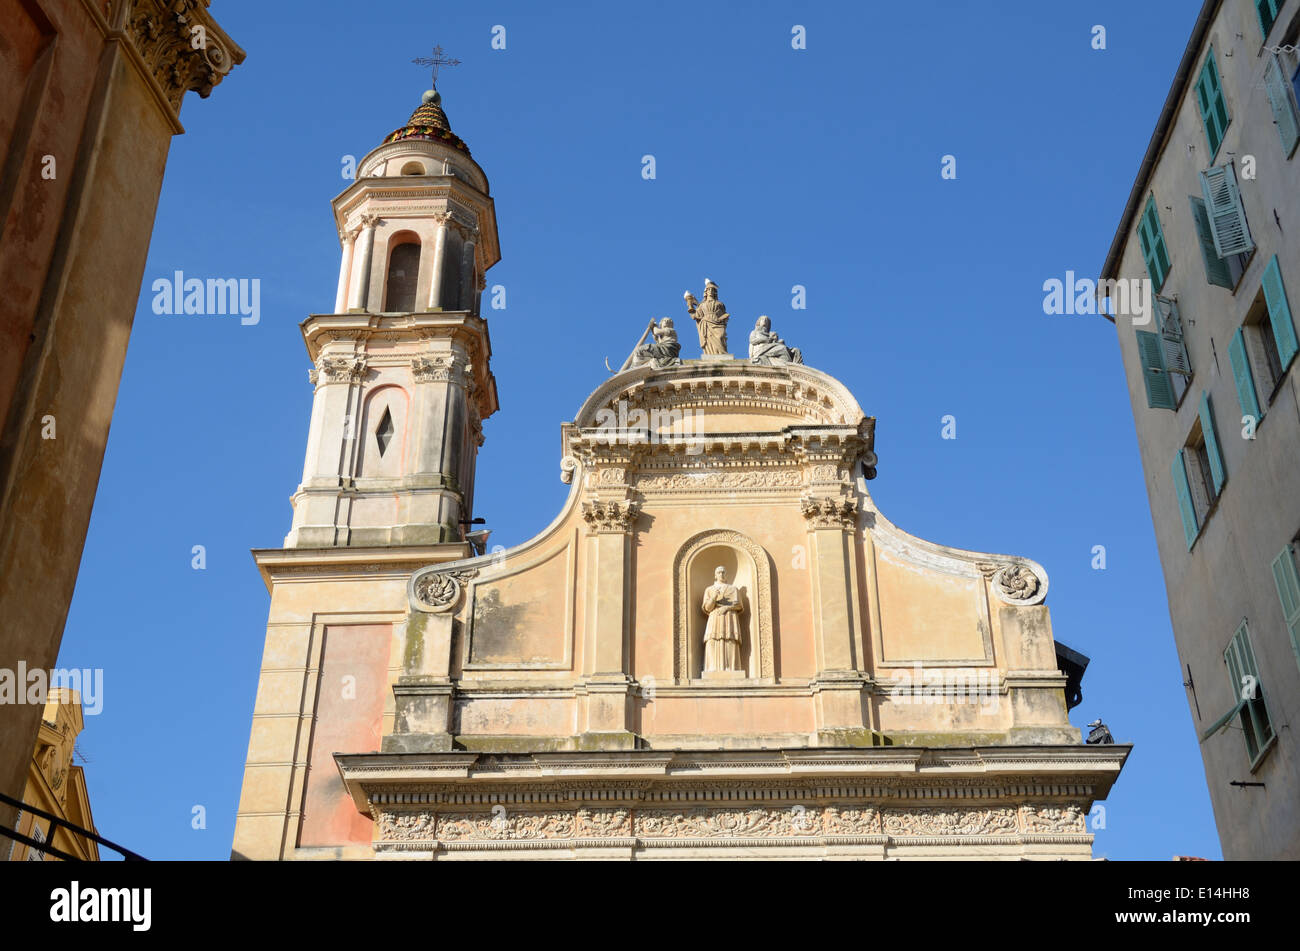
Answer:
(750, 570)
(383, 433)
(403, 272)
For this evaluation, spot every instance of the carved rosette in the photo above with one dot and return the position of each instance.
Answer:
(340, 369)
(613, 515)
(438, 592)
(181, 45)
(828, 512)
(1019, 584)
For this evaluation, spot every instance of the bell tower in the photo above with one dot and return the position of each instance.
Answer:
(402, 364)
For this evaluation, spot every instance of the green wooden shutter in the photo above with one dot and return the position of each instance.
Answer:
(1244, 379)
(1160, 390)
(1170, 325)
(1209, 99)
(1279, 313)
(1227, 217)
(1217, 472)
(1152, 239)
(1267, 10)
(1283, 103)
(1184, 493)
(1216, 269)
(1288, 592)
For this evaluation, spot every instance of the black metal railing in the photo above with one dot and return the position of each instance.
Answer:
(54, 820)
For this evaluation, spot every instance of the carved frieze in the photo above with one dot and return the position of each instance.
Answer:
(1000, 820)
(702, 822)
(1053, 819)
(714, 479)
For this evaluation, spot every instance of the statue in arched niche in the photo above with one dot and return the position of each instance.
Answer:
(722, 633)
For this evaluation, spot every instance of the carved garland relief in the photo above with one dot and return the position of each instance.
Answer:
(723, 822)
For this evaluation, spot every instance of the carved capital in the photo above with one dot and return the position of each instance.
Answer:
(350, 369)
(827, 512)
(611, 516)
(182, 46)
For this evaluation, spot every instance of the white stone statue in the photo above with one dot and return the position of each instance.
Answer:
(722, 633)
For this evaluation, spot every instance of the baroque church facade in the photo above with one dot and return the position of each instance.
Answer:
(719, 647)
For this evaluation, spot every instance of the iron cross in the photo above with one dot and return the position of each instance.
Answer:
(439, 58)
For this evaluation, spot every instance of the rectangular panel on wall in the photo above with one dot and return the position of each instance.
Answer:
(524, 619)
(931, 617)
(350, 694)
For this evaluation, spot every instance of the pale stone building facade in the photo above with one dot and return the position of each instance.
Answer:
(1211, 227)
(719, 646)
(90, 97)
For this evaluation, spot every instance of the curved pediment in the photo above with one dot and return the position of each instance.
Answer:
(720, 397)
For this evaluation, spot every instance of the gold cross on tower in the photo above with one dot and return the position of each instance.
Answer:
(439, 58)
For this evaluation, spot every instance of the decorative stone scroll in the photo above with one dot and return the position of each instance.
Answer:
(166, 32)
(438, 592)
(1017, 584)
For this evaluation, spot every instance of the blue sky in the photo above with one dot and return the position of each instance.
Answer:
(774, 167)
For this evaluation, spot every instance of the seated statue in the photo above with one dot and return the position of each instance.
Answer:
(664, 351)
(766, 348)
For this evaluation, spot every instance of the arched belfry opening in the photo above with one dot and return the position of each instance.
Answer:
(403, 272)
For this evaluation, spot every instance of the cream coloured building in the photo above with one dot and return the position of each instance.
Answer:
(1211, 226)
(719, 646)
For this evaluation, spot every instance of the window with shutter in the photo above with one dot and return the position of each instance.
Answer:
(1267, 11)
(1281, 98)
(1226, 215)
(1287, 579)
(1279, 313)
(1151, 238)
(1212, 455)
(1183, 492)
(1151, 354)
(1176, 362)
(1216, 268)
(1243, 377)
(1251, 705)
(1210, 101)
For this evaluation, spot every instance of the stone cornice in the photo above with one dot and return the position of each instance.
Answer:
(1013, 771)
(324, 564)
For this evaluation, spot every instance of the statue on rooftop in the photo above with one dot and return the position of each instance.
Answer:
(766, 348)
(710, 316)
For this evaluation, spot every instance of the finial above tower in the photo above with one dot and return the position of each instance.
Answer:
(429, 121)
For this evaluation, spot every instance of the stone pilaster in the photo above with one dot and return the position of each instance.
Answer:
(840, 684)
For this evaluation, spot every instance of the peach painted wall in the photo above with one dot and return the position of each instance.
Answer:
(343, 724)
